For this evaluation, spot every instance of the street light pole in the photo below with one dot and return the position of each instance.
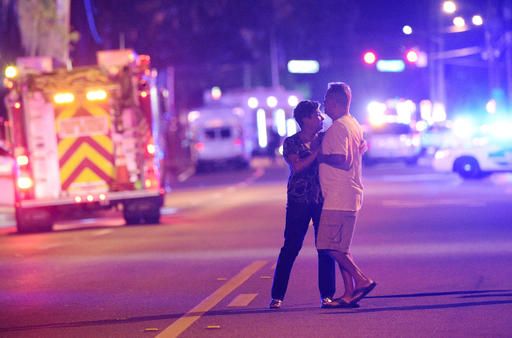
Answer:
(507, 9)
(508, 65)
(437, 87)
(274, 61)
(493, 75)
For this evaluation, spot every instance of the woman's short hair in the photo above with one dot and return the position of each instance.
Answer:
(304, 109)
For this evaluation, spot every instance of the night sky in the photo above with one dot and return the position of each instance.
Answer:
(227, 42)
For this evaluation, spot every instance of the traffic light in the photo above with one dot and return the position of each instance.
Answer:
(369, 57)
(412, 56)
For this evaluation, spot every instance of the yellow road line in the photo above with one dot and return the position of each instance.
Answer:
(242, 299)
(185, 321)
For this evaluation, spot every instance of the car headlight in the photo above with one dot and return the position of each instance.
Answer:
(440, 154)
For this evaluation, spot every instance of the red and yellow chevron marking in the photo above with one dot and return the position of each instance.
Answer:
(84, 159)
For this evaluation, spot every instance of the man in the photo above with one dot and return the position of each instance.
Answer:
(340, 178)
(304, 203)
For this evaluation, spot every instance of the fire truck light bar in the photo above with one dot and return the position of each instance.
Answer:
(96, 95)
(62, 98)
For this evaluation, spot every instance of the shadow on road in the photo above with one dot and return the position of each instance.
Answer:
(361, 310)
(447, 293)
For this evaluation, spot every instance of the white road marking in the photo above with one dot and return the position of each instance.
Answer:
(186, 174)
(414, 178)
(242, 300)
(435, 249)
(102, 232)
(434, 202)
(372, 250)
(399, 250)
(168, 211)
(49, 246)
(184, 322)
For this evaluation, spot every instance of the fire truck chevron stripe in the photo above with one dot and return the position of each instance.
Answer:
(87, 176)
(86, 153)
(69, 149)
(93, 109)
(86, 164)
(68, 111)
(102, 141)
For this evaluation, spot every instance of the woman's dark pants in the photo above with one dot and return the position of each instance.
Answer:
(298, 217)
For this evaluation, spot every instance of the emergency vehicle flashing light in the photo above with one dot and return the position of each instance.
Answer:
(96, 95)
(63, 98)
(24, 182)
(11, 72)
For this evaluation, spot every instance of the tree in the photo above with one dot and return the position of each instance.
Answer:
(45, 29)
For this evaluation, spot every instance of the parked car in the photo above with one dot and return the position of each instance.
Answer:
(476, 161)
(437, 136)
(392, 142)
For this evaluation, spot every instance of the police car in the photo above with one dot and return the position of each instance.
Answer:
(473, 162)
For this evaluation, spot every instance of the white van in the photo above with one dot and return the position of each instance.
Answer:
(221, 135)
(392, 142)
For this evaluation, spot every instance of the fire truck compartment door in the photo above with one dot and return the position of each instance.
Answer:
(85, 147)
(42, 145)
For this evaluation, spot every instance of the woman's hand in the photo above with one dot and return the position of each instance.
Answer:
(316, 144)
(363, 147)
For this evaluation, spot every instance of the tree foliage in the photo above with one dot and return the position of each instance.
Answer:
(44, 27)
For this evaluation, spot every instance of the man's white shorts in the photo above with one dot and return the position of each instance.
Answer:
(336, 230)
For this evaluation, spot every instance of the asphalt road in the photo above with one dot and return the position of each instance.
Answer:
(439, 248)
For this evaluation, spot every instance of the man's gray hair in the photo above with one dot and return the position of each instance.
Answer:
(341, 90)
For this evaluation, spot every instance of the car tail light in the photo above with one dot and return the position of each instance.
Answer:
(199, 146)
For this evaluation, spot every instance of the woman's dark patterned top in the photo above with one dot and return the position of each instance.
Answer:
(304, 186)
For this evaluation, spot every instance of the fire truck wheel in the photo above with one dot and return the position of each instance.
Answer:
(143, 210)
(34, 220)
(131, 218)
(152, 217)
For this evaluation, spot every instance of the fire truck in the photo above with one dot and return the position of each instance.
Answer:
(84, 138)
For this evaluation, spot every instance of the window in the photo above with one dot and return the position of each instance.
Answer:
(225, 133)
(210, 134)
(218, 133)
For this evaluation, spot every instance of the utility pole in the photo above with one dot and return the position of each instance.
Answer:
(492, 60)
(274, 62)
(507, 10)
(437, 87)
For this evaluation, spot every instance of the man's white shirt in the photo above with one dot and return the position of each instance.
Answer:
(343, 189)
